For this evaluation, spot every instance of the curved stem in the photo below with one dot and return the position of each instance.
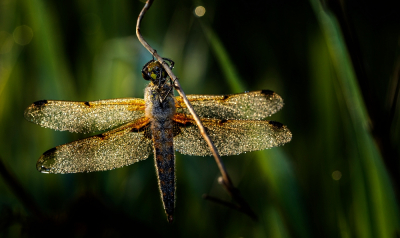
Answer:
(225, 177)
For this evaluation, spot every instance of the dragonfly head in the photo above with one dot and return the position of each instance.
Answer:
(154, 71)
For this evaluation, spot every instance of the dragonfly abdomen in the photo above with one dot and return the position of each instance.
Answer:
(164, 159)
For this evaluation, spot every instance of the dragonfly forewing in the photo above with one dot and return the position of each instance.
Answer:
(85, 117)
(243, 106)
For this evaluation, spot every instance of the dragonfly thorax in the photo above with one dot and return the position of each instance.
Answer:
(159, 102)
(159, 98)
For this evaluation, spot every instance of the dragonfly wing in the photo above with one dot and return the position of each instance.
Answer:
(231, 137)
(84, 117)
(249, 106)
(122, 146)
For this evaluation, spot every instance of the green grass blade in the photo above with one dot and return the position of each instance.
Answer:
(374, 211)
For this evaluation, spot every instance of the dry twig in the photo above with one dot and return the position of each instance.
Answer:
(225, 179)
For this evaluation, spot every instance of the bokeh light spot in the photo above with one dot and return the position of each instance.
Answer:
(200, 11)
(23, 35)
(336, 175)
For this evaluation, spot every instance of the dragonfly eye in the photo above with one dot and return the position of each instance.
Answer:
(146, 76)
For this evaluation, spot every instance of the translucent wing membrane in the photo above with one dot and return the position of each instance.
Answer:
(122, 146)
(84, 117)
(251, 106)
(231, 137)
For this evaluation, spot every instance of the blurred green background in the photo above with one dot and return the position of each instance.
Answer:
(336, 67)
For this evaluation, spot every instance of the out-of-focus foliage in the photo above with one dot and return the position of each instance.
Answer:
(338, 177)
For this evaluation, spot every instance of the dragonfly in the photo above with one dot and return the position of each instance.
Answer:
(159, 124)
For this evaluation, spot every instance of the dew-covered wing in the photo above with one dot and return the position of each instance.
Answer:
(119, 147)
(250, 106)
(84, 117)
(231, 137)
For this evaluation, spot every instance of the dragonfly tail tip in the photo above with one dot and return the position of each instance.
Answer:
(170, 219)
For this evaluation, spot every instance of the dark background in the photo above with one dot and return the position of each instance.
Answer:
(336, 67)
